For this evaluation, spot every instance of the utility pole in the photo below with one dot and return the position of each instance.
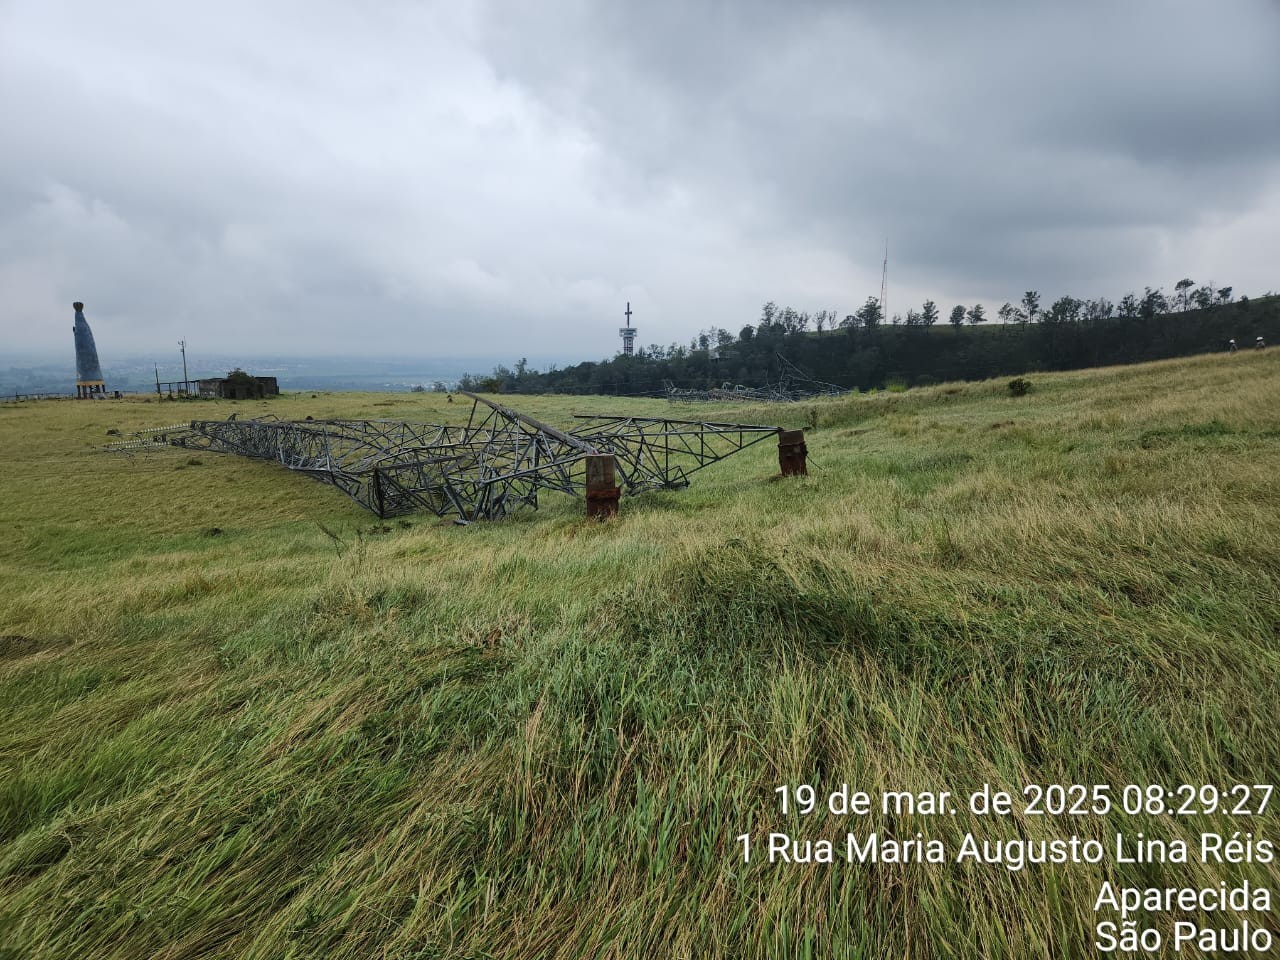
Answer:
(158, 394)
(186, 384)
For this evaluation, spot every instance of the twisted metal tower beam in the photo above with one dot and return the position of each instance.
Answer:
(658, 453)
(496, 462)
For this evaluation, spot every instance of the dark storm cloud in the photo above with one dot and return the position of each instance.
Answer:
(999, 146)
(457, 179)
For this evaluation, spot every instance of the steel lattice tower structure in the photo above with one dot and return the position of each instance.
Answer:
(497, 462)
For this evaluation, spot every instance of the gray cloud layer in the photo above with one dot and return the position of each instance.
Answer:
(462, 179)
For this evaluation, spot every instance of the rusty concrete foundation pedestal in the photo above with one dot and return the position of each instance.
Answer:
(792, 453)
(602, 486)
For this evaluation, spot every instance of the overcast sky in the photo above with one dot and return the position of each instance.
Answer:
(484, 179)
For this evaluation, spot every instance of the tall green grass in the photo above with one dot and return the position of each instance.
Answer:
(243, 718)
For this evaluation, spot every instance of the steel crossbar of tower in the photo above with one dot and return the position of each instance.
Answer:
(494, 463)
(655, 453)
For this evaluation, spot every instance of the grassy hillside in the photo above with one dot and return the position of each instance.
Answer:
(240, 717)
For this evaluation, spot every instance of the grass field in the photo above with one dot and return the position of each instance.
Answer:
(243, 718)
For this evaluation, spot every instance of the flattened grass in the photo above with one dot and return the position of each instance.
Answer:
(243, 718)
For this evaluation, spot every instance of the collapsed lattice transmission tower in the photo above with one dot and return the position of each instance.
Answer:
(494, 463)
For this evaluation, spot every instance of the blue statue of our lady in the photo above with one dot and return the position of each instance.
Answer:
(89, 380)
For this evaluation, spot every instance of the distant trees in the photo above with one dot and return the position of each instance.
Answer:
(869, 316)
(778, 323)
(1188, 296)
(1065, 310)
(1068, 334)
(1182, 293)
(1098, 310)
(711, 337)
(1030, 306)
(1153, 304)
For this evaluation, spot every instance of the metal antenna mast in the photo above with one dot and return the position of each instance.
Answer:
(186, 384)
(884, 284)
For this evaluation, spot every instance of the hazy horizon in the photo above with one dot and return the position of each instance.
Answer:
(481, 178)
(51, 374)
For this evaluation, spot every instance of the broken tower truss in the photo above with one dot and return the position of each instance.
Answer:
(496, 462)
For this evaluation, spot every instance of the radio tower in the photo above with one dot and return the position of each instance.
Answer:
(628, 334)
(884, 284)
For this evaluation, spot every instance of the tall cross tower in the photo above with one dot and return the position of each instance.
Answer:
(628, 334)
